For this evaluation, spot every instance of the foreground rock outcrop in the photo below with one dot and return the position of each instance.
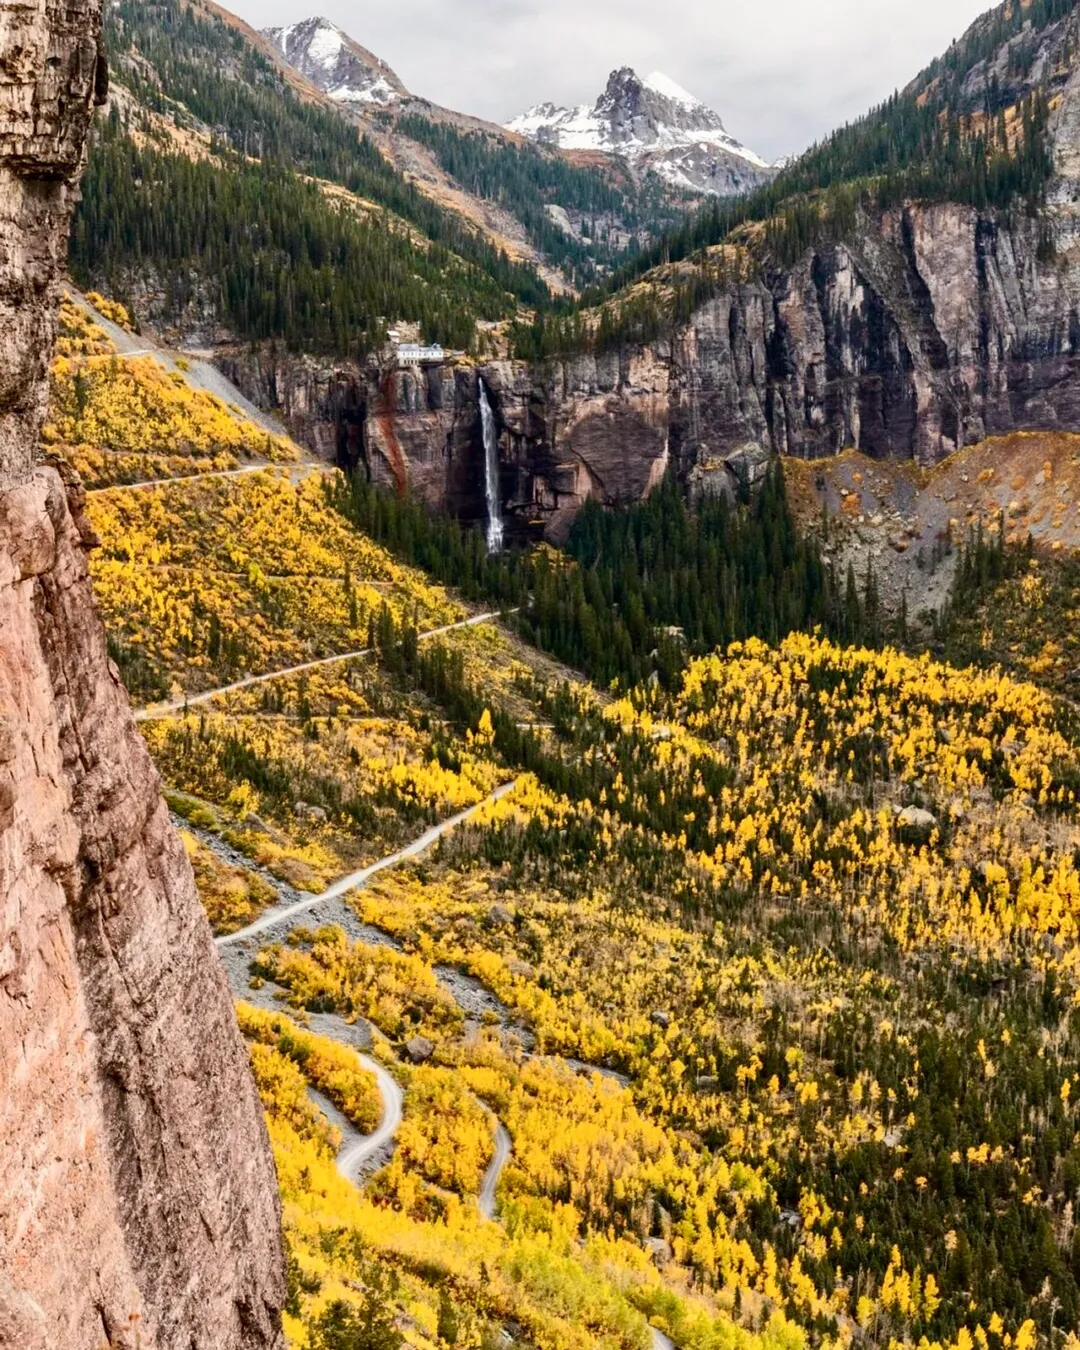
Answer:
(51, 69)
(138, 1203)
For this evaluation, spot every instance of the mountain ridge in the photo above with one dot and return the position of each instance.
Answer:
(653, 123)
(497, 183)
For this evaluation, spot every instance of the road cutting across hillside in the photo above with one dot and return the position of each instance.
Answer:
(159, 710)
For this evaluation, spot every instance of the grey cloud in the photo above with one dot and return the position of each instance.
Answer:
(782, 73)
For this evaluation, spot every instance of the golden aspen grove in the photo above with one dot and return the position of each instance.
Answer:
(741, 1008)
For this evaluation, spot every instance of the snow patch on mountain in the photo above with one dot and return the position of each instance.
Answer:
(659, 83)
(380, 92)
(570, 128)
(326, 45)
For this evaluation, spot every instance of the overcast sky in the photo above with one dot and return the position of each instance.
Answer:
(780, 72)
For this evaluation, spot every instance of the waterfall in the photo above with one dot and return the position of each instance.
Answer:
(491, 473)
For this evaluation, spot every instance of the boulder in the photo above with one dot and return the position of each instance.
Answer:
(915, 824)
(419, 1049)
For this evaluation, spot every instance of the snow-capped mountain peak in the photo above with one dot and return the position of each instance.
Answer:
(336, 64)
(657, 125)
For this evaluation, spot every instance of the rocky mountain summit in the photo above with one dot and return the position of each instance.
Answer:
(657, 125)
(337, 64)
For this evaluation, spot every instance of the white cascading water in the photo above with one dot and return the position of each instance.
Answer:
(491, 473)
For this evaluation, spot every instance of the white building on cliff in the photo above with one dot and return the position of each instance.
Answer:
(410, 355)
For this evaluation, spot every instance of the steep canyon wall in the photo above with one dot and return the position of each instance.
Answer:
(931, 328)
(138, 1203)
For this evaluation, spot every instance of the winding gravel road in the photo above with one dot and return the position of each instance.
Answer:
(503, 1149)
(357, 1150)
(355, 880)
(198, 372)
(359, 1154)
(192, 700)
(149, 483)
(363, 1152)
(354, 1154)
(296, 470)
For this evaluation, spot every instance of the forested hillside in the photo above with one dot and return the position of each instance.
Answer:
(212, 188)
(213, 184)
(726, 997)
(639, 590)
(587, 220)
(970, 129)
(265, 251)
(810, 909)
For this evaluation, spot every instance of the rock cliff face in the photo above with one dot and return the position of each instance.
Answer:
(50, 70)
(934, 327)
(139, 1201)
(596, 427)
